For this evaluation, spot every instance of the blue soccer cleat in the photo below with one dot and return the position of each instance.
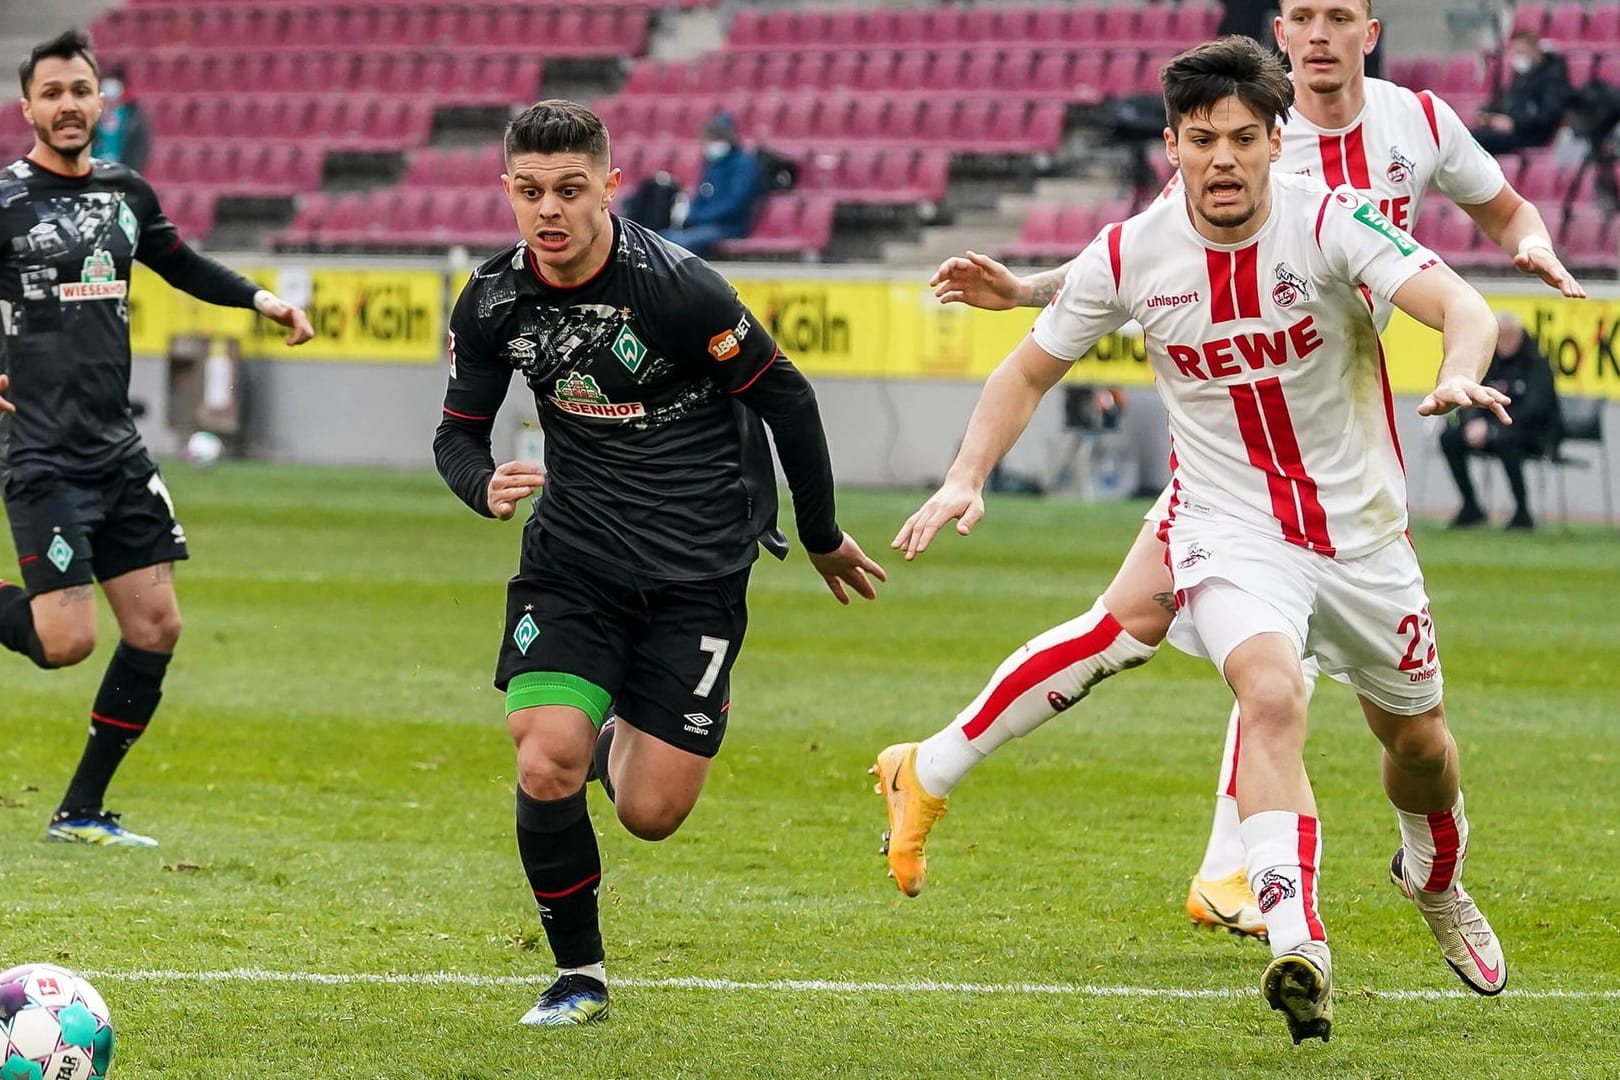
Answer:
(572, 999)
(98, 827)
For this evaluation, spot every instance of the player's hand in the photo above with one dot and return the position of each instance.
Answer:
(953, 501)
(1459, 392)
(1543, 263)
(6, 406)
(278, 310)
(513, 482)
(978, 281)
(848, 565)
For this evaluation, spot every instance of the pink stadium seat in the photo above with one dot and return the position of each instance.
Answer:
(906, 26)
(1539, 181)
(747, 29)
(1087, 77)
(1529, 16)
(1565, 22)
(937, 125)
(1118, 24)
(910, 72)
(1581, 62)
(985, 72)
(1603, 24)
(944, 25)
(906, 121)
(1461, 75)
(877, 71)
(843, 29)
(866, 118)
(1155, 25)
(1083, 26)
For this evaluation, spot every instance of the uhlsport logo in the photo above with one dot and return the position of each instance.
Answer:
(1172, 301)
(98, 280)
(1273, 890)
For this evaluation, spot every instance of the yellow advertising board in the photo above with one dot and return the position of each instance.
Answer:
(856, 327)
(382, 316)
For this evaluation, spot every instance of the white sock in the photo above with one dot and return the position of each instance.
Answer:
(1047, 675)
(597, 971)
(1223, 855)
(1436, 845)
(1282, 851)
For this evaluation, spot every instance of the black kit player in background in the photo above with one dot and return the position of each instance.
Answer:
(84, 500)
(651, 379)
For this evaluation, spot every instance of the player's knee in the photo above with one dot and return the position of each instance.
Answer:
(1421, 744)
(543, 776)
(159, 633)
(66, 646)
(1273, 701)
(651, 819)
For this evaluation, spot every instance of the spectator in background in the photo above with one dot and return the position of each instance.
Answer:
(1523, 373)
(728, 194)
(1530, 108)
(124, 136)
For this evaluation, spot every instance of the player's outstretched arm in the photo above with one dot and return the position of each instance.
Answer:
(5, 406)
(1005, 406)
(848, 565)
(278, 310)
(1514, 224)
(980, 281)
(1442, 301)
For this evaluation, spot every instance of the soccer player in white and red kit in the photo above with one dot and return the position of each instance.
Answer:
(1388, 142)
(1286, 538)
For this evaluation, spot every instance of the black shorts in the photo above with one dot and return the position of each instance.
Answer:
(70, 532)
(662, 650)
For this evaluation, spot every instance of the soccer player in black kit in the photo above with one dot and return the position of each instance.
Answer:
(84, 500)
(652, 380)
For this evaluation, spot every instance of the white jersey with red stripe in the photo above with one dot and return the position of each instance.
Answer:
(1398, 146)
(1266, 357)
(1401, 144)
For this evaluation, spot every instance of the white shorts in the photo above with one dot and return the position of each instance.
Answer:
(1365, 619)
(1161, 506)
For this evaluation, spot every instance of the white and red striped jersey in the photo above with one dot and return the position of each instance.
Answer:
(1265, 355)
(1399, 145)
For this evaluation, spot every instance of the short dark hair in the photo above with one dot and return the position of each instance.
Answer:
(64, 46)
(557, 126)
(1196, 79)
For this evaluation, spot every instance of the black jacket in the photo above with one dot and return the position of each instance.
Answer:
(1527, 378)
(1536, 100)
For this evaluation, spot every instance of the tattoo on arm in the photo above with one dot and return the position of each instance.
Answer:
(1045, 285)
(76, 594)
(1166, 600)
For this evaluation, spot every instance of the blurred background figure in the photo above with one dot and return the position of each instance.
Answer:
(125, 135)
(1523, 373)
(728, 195)
(1529, 110)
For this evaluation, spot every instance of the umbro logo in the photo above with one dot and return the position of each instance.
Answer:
(698, 723)
(521, 348)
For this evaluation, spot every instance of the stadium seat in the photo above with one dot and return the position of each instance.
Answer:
(1602, 25)
(1565, 22)
(1528, 16)
(789, 225)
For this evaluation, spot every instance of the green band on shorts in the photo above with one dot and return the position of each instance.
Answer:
(554, 688)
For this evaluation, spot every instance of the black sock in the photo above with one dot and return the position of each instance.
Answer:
(17, 631)
(558, 847)
(129, 695)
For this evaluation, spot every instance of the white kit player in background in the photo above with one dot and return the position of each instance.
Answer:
(1255, 293)
(1386, 141)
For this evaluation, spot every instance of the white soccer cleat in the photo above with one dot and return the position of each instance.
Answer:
(1299, 984)
(1466, 939)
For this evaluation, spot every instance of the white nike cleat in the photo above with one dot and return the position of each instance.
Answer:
(1299, 984)
(1466, 940)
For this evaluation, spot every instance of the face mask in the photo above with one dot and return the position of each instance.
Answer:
(112, 89)
(716, 149)
(1521, 64)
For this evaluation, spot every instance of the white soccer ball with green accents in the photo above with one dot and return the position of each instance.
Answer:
(53, 1026)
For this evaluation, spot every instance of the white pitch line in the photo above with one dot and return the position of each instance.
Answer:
(798, 986)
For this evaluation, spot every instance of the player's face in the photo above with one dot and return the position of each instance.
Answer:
(1327, 41)
(64, 104)
(561, 202)
(1225, 158)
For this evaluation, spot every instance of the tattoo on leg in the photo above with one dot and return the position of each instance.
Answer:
(162, 572)
(75, 595)
(1166, 600)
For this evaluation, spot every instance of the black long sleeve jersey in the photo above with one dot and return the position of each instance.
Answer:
(651, 380)
(66, 246)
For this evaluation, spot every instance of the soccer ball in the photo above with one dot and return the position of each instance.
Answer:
(53, 1026)
(203, 449)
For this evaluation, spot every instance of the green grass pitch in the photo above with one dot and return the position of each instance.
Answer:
(331, 780)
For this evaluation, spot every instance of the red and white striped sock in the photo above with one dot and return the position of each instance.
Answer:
(1049, 674)
(1436, 845)
(1282, 851)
